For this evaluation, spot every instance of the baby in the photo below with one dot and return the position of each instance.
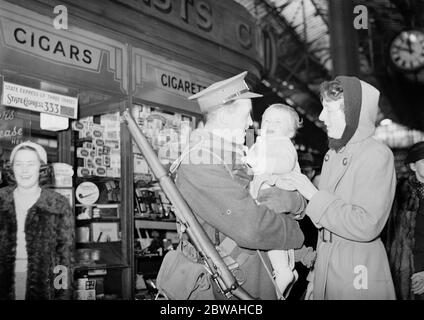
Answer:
(271, 156)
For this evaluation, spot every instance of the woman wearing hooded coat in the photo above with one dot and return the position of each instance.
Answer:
(354, 197)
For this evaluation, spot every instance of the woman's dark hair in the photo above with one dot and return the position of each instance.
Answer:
(331, 90)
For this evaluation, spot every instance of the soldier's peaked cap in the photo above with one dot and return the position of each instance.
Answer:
(222, 92)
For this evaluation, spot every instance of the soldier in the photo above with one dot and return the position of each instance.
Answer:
(215, 183)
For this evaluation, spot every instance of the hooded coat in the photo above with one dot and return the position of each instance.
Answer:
(215, 184)
(352, 205)
(49, 234)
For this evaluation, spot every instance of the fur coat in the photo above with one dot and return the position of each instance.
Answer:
(49, 234)
(400, 236)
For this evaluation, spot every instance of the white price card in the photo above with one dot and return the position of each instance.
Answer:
(18, 96)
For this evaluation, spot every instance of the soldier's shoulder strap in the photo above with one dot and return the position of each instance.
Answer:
(198, 146)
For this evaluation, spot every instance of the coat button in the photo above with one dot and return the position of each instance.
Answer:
(327, 156)
(344, 161)
(228, 211)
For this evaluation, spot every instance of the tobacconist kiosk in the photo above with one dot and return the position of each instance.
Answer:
(68, 70)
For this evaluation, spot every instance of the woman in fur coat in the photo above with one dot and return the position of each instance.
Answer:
(405, 230)
(36, 232)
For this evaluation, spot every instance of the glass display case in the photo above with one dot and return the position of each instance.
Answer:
(155, 221)
(98, 210)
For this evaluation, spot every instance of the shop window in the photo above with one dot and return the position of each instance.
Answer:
(155, 221)
(98, 209)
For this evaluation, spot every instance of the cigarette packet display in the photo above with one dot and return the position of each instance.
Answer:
(87, 119)
(100, 171)
(97, 126)
(89, 163)
(86, 134)
(78, 126)
(87, 145)
(83, 152)
(98, 161)
(99, 151)
(83, 172)
(106, 150)
(97, 134)
(99, 143)
(112, 144)
(106, 161)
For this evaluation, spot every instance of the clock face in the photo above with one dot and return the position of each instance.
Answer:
(407, 50)
(87, 193)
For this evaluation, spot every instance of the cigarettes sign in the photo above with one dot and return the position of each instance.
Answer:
(17, 96)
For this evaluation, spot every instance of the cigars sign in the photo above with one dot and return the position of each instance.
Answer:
(29, 42)
(45, 44)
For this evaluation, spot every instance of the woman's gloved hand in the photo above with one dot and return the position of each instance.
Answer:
(305, 255)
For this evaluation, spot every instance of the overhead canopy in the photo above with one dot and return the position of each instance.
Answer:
(304, 61)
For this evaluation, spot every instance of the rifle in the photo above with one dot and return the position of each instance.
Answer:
(215, 264)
